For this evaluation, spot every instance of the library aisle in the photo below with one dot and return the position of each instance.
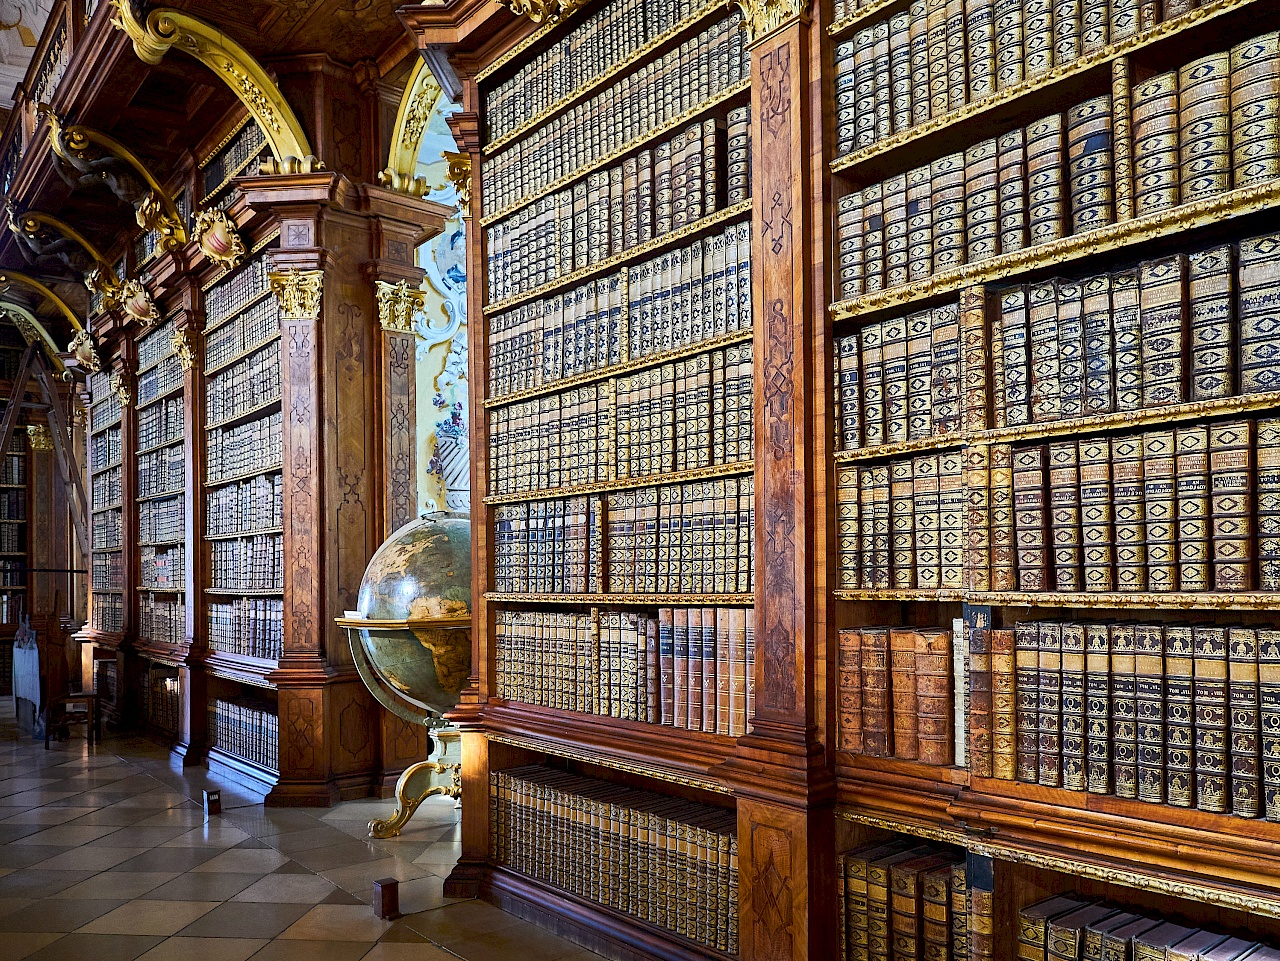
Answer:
(105, 856)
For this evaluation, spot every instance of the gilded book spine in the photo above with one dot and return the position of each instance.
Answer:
(1259, 287)
(1159, 507)
(1121, 112)
(903, 693)
(1126, 324)
(1232, 505)
(1027, 679)
(977, 519)
(1124, 710)
(1097, 684)
(973, 331)
(877, 730)
(1179, 746)
(925, 498)
(1074, 777)
(1002, 520)
(982, 201)
(1099, 371)
(1268, 506)
(1155, 144)
(1204, 115)
(980, 29)
(948, 205)
(1211, 720)
(1045, 359)
(1004, 705)
(952, 519)
(1011, 172)
(1031, 515)
(1242, 699)
(1255, 105)
(981, 702)
(849, 717)
(1269, 719)
(1128, 492)
(847, 528)
(903, 525)
(1010, 45)
(1162, 306)
(1090, 164)
(1049, 705)
(933, 696)
(1071, 349)
(1149, 693)
(1096, 515)
(1046, 162)
(1210, 281)
(1015, 347)
(1192, 488)
(1064, 503)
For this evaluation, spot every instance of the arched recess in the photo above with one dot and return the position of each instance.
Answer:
(165, 28)
(8, 277)
(421, 94)
(30, 326)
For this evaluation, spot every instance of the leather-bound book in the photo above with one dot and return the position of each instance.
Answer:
(925, 494)
(871, 343)
(1192, 466)
(849, 715)
(1269, 720)
(902, 515)
(1072, 700)
(1066, 31)
(903, 690)
(1027, 680)
(1071, 349)
(847, 528)
(1117, 943)
(1045, 361)
(1259, 279)
(919, 394)
(947, 176)
(1004, 705)
(1211, 719)
(1124, 19)
(879, 892)
(1149, 692)
(1090, 160)
(1128, 491)
(881, 528)
(849, 241)
(1030, 500)
(895, 231)
(848, 394)
(919, 223)
(934, 702)
(1099, 370)
(977, 517)
(936, 927)
(906, 904)
(1047, 196)
(1049, 707)
(1179, 716)
(1204, 122)
(1255, 107)
(863, 112)
(1037, 31)
(1096, 514)
(957, 68)
(1124, 710)
(877, 729)
(1127, 328)
(1243, 729)
(1097, 694)
(980, 33)
(1014, 346)
(1064, 520)
(981, 701)
(1033, 925)
(1268, 506)
(1232, 504)
(1003, 523)
(1193, 945)
(1232, 949)
(873, 238)
(1162, 304)
(981, 909)
(855, 901)
(883, 81)
(1010, 47)
(1155, 144)
(1011, 173)
(946, 382)
(900, 71)
(1094, 933)
(895, 379)
(959, 912)
(951, 518)
(1095, 26)
(1210, 282)
(919, 43)
(1066, 933)
(981, 201)
(1152, 944)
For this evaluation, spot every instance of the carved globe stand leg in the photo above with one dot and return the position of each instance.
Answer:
(412, 789)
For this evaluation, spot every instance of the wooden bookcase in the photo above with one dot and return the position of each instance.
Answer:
(799, 799)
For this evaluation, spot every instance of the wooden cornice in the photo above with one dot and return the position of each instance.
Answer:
(456, 22)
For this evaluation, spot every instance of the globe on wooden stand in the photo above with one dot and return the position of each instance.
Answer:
(411, 640)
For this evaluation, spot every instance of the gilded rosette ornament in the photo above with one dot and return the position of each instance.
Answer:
(184, 347)
(398, 304)
(218, 238)
(120, 388)
(39, 438)
(138, 305)
(765, 16)
(81, 347)
(544, 11)
(298, 292)
(460, 176)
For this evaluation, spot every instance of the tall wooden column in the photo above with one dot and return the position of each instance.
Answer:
(193, 718)
(397, 402)
(780, 775)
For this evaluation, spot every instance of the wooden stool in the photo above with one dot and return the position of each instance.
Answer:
(58, 708)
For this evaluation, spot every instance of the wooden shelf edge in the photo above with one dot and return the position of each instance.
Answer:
(658, 600)
(244, 417)
(970, 111)
(1166, 223)
(651, 750)
(1172, 601)
(628, 483)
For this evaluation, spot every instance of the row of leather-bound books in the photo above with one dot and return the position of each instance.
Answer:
(251, 563)
(669, 862)
(160, 423)
(1191, 134)
(938, 55)
(590, 48)
(246, 729)
(106, 614)
(246, 385)
(162, 568)
(252, 505)
(691, 668)
(683, 415)
(1069, 927)
(701, 68)
(162, 619)
(896, 693)
(161, 521)
(252, 327)
(674, 300)
(701, 170)
(248, 627)
(690, 538)
(907, 899)
(237, 450)
(1169, 714)
(106, 490)
(1178, 329)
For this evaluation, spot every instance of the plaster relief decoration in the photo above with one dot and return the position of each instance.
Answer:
(444, 454)
(218, 238)
(21, 22)
(416, 106)
(298, 292)
(762, 17)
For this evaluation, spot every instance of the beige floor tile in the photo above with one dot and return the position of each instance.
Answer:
(203, 887)
(89, 859)
(67, 834)
(47, 815)
(313, 951)
(334, 922)
(245, 919)
(456, 922)
(209, 834)
(190, 815)
(391, 951)
(288, 889)
(15, 947)
(359, 878)
(150, 917)
(423, 894)
(243, 860)
(117, 884)
(204, 949)
(520, 940)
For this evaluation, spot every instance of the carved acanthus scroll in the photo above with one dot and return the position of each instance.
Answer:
(298, 292)
(398, 305)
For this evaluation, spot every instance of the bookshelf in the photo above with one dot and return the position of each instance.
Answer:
(109, 578)
(15, 485)
(242, 493)
(919, 172)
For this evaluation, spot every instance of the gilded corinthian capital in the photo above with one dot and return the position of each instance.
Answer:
(298, 292)
(398, 304)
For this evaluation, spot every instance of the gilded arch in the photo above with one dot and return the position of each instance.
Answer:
(32, 330)
(165, 28)
(421, 94)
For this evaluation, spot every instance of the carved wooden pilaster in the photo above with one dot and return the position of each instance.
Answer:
(193, 718)
(398, 305)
